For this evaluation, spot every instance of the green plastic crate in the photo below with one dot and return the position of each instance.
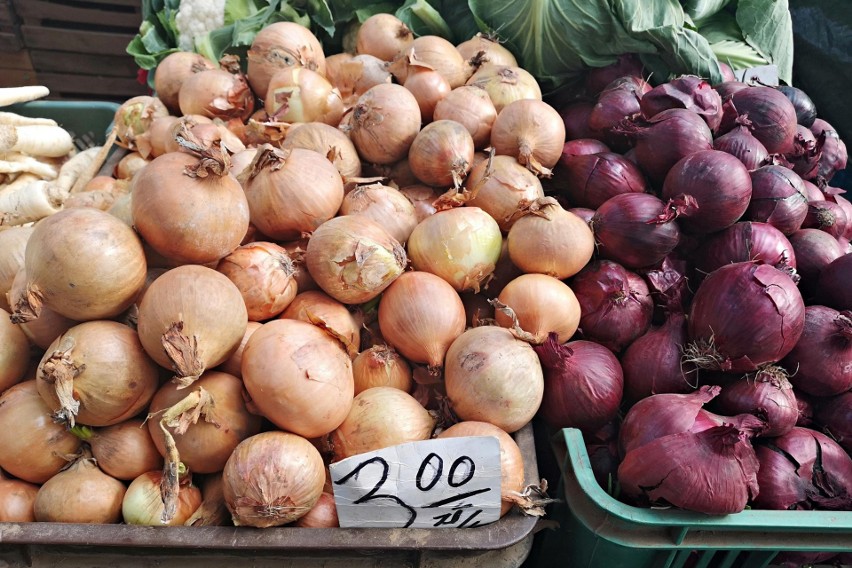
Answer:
(598, 531)
(88, 121)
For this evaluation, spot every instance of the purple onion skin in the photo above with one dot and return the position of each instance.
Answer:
(582, 147)
(726, 89)
(667, 138)
(834, 289)
(806, 153)
(826, 216)
(634, 229)
(689, 92)
(834, 155)
(806, 405)
(802, 103)
(846, 205)
(813, 192)
(652, 363)
(814, 250)
(772, 115)
(661, 415)
(599, 78)
(835, 416)
(821, 362)
(767, 394)
(778, 198)
(727, 72)
(747, 241)
(602, 447)
(803, 470)
(583, 384)
(583, 213)
(742, 144)
(718, 182)
(576, 119)
(589, 180)
(615, 304)
(618, 101)
(745, 315)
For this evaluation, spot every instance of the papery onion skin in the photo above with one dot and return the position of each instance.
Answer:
(835, 416)
(420, 314)
(134, 117)
(472, 108)
(35, 443)
(820, 364)
(172, 71)
(576, 120)
(461, 245)
(381, 366)
(772, 116)
(530, 130)
(778, 198)
(320, 309)
(233, 364)
(297, 94)
(444, 57)
(591, 179)
(353, 259)
(385, 205)
(143, 505)
(216, 93)
(742, 144)
(441, 154)
(505, 84)
(491, 376)
(618, 101)
(82, 493)
(15, 355)
(16, 500)
(745, 315)
(47, 326)
(280, 45)
(327, 140)
(13, 243)
(767, 394)
(263, 272)
(689, 92)
(511, 459)
(626, 65)
(542, 304)
(383, 36)
(125, 450)
(826, 216)
(385, 121)
(746, 241)
(323, 515)
(502, 186)
(833, 288)
(299, 377)
(428, 86)
(814, 251)
(380, 417)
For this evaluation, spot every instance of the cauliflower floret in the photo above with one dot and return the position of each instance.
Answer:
(195, 18)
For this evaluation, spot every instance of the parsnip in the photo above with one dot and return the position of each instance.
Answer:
(50, 141)
(17, 163)
(14, 119)
(91, 170)
(30, 202)
(71, 170)
(12, 95)
(20, 180)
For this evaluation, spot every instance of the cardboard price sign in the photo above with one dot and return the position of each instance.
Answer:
(441, 483)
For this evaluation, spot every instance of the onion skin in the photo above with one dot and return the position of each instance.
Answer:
(328, 141)
(575, 117)
(233, 364)
(353, 259)
(263, 272)
(472, 108)
(428, 86)
(441, 154)
(280, 45)
(377, 138)
(689, 92)
(15, 355)
(380, 417)
(542, 304)
(102, 286)
(583, 384)
(125, 450)
(502, 187)
(16, 500)
(746, 241)
(491, 376)
(172, 71)
(505, 84)
(591, 179)
(320, 309)
(627, 65)
(778, 198)
(748, 314)
(82, 493)
(31, 452)
(742, 144)
(833, 287)
(13, 243)
(142, 504)
(615, 304)
(381, 366)
(772, 116)
(835, 416)
(511, 459)
(814, 251)
(820, 364)
(384, 36)
(443, 57)
(134, 117)
(297, 94)
(421, 315)
(618, 101)
(384, 205)
(768, 394)
(826, 216)
(532, 131)
(299, 377)
(323, 515)
(216, 93)
(47, 326)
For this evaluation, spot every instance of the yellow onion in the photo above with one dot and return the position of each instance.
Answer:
(493, 377)
(384, 36)
(423, 198)
(134, 117)
(481, 50)
(472, 108)
(511, 459)
(505, 84)
(192, 318)
(320, 309)
(284, 202)
(384, 123)
(296, 94)
(263, 273)
(280, 45)
(16, 500)
(323, 515)
(98, 374)
(383, 204)
(357, 74)
(241, 161)
(187, 122)
(31, 443)
(299, 377)
(500, 187)
(155, 140)
(329, 141)
(233, 364)
(380, 417)
(460, 245)
(15, 354)
(13, 243)
(80, 493)
(441, 154)
(142, 504)
(397, 174)
(82, 263)
(550, 240)
(47, 326)
(172, 71)
(353, 259)
(532, 131)
(542, 304)
(504, 272)
(381, 366)
(272, 479)
(427, 85)
(420, 314)
(213, 512)
(442, 56)
(216, 93)
(125, 450)
(296, 250)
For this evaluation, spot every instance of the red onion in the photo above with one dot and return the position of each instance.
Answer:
(581, 147)
(772, 116)
(728, 88)
(652, 363)
(844, 204)
(814, 250)
(583, 213)
(767, 394)
(583, 384)
(602, 447)
(712, 472)
(806, 152)
(748, 423)
(826, 216)
(834, 154)
(635, 229)
(627, 64)
(806, 405)
(662, 415)
(615, 304)
(727, 72)
(618, 101)
(805, 108)
(689, 92)
(813, 192)
(589, 180)
(576, 119)
(835, 416)
(821, 362)
(803, 469)
(833, 289)
(778, 198)
(718, 182)
(667, 138)
(746, 241)
(742, 144)
(743, 316)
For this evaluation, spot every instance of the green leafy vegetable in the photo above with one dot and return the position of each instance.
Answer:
(768, 27)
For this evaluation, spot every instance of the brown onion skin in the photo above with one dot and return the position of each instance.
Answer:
(280, 45)
(206, 446)
(384, 36)
(32, 451)
(329, 141)
(471, 107)
(233, 364)
(502, 185)
(505, 84)
(318, 308)
(530, 130)
(16, 500)
(323, 515)
(511, 459)
(428, 86)
(47, 326)
(134, 117)
(143, 505)
(444, 57)
(385, 205)
(263, 272)
(377, 139)
(216, 93)
(15, 355)
(13, 243)
(441, 154)
(172, 71)
(317, 99)
(125, 450)
(542, 304)
(381, 366)
(82, 493)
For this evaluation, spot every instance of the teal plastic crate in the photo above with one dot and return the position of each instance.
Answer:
(598, 531)
(89, 122)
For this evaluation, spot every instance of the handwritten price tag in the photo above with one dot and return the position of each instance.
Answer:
(451, 482)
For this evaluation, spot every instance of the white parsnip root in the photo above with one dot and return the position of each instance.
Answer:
(14, 119)
(73, 169)
(30, 202)
(17, 163)
(36, 140)
(12, 95)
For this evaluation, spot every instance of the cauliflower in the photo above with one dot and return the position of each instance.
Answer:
(196, 18)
